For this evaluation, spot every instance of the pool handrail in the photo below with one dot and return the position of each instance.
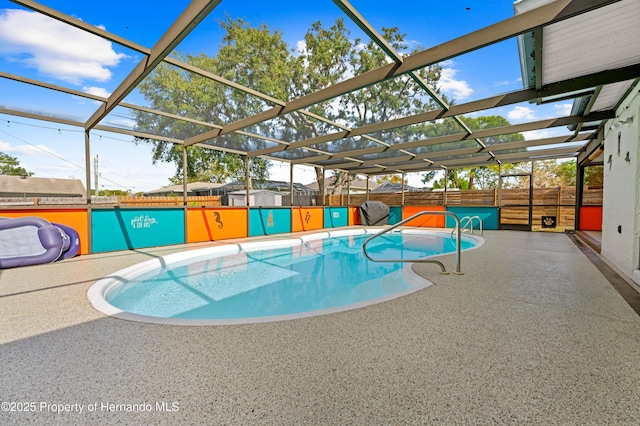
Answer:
(466, 221)
(402, 222)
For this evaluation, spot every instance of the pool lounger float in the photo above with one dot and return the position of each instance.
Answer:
(32, 240)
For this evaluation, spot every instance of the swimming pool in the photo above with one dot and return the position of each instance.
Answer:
(270, 280)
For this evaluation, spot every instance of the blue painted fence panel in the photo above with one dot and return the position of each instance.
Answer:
(126, 229)
(335, 217)
(489, 216)
(395, 215)
(266, 221)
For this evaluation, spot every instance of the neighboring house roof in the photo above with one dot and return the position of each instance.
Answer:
(19, 186)
(273, 185)
(254, 191)
(192, 188)
(357, 183)
(396, 187)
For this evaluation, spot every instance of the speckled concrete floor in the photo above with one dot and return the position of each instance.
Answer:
(531, 334)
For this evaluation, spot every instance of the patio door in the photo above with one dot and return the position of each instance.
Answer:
(516, 201)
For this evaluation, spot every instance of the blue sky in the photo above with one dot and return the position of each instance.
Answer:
(36, 47)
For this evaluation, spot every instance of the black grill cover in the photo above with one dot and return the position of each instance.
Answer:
(374, 213)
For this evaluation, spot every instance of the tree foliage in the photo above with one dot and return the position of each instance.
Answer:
(10, 166)
(113, 192)
(396, 178)
(254, 57)
(477, 177)
(546, 174)
(259, 58)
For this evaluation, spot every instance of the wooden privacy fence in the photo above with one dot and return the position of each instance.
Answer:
(513, 202)
(485, 197)
(133, 201)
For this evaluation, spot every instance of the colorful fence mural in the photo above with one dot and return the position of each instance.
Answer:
(111, 228)
(488, 215)
(306, 218)
(126, 229)
(210, 224)
(335, 217)
(269, 221)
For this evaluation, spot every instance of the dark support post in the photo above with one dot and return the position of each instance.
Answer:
(246, 179)
(349, 190)
(322, 188)
(367, 176)
(245, 161)
(579, 192)
(445, 180)
(291, 183)
(402, 177)
(87, 167)
(185, 191)
(531, 197)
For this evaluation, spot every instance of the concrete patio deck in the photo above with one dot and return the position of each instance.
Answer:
(532, 333)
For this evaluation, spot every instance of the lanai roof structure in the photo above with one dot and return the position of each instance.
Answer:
(581, 51)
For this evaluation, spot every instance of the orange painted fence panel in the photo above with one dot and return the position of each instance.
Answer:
(75, 218)
(354, 216)
(590, 218)
(306, 218)
(209, 224)
(428, 221)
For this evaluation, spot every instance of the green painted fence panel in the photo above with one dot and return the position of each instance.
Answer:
(335, 217)
(268, 221)
(488, 214)
(126, 229)
(395, 215)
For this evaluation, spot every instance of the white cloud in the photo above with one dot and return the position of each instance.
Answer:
(121, 122)
(412, 45)
(361, 46)
(33, 150)
(507, 82)
(449, 84)
(563, 109)
(301, 47)
(521, 113)
(544, 133)
(97, 91)
(55, 49)
(56, 169)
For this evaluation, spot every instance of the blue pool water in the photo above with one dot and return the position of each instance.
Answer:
(314, 275)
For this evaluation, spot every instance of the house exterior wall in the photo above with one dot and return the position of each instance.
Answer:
(621, 199)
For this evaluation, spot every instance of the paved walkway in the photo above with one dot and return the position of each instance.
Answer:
(532, 333)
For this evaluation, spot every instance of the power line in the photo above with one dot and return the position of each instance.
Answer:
(59, 157)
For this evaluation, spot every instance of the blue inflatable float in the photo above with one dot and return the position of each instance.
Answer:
(32, 240)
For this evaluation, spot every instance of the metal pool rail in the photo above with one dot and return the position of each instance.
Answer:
(392, 227)
(468, 221)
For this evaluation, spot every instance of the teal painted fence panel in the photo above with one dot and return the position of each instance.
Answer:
(489, 216)
(335, 217)
(395, 215)
(126, 229)
(265, 221)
